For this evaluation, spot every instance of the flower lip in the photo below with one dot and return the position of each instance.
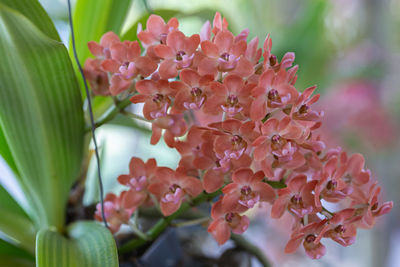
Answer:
(173, 188)
(272, 60)
(158, 98)
(340, 229)
(296, 199)
(310, 238)
(232, 100)
(196, 91)
(275, 139)
(304, 109)
(229, 217)
(246, 190)
(331, 185)
(225, 56)
(273, 95)
(179, 55)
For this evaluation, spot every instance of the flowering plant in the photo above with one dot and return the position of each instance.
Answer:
(245, 135)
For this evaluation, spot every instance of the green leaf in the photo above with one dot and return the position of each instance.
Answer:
(11, 255)
(15, 223)
(33, 11)
(89, 244)
(93, 18)
(5, 152)
(41, 115)
(36, 14)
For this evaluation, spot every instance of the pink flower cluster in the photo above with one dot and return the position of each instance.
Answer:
(232, 112)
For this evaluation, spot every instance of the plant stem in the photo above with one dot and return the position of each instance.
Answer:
(163, 223)
(112, 112)
(191, 222)
(244, 244)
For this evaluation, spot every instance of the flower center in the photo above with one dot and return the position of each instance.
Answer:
(163, 38)
(273, 95)
(272, 60)
(232, 100)
(173, 188)
(229, 217)
(340, 229)
(179, 55)
(310, 238)
(158, 98)
(246, 190)
(331, 185)
(304, 109)
(196, 92)
(225, 56)
(296, 199)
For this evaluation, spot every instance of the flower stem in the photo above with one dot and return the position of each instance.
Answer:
(244, 244)
(137, 231)
(164, 222)
(191, 222)
(111, 113)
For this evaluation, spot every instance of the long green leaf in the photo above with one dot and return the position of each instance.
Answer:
(5, 152)
(33, 11)
(41, 115)
(15, 223)
(36, 14)
(93, 18)
(11, 255)
(89, 244)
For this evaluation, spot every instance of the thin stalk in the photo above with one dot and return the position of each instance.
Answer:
(92, 124)
(244, 244)
(164, 222)
(112, 112)
(191, 222)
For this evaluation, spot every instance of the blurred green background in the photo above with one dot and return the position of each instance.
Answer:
(349, 48)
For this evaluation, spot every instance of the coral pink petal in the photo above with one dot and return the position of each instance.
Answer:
(293, 245)
(168, 208)
(224, 41)
(242, 176)
(212, 181)
(192, 185)
(208, 66)
(108, 39)
(145, 65)
(266, 192)
(279, 207)
(124, 179)
(164, 51)
(95, 49)
(155, 135)
(110, 65)
(168, 69)
(209, 48)
(220, 230)
(137, 167)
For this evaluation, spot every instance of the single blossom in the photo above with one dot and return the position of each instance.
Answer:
(171, 189)
(118, 209)
(309, 236)
(232, 97)
(156, 96)
(224, 222)
(246, 190)
(297, 198)
(178, 53)
(192, 90)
